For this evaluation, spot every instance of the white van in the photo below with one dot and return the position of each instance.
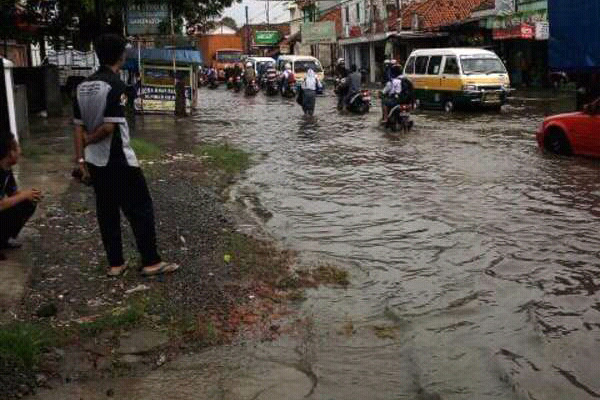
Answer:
(300, 65)
(454, 77)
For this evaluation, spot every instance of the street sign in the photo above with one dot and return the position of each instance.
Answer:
(318, 32)
(145, 18)
(267, 38)
(542, 31)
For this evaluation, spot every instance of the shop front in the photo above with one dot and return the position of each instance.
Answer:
(521, 40)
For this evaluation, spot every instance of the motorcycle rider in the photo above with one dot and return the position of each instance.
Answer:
(387, 71)
(249, 73)
(287, 77)
(270, 74)
(340, 69)
(397, 91)
(353, 82)
(237, 71)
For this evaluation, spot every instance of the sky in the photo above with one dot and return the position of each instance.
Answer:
(256, 11)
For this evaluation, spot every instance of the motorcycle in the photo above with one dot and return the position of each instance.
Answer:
(251, 88)
(399, 118)
(360, 102)
(237, 84)
(288, 91)
(271, 87)
(213, 83)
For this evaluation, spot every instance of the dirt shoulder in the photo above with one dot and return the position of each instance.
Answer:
(76, 324)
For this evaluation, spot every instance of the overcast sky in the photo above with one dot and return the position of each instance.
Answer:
(256, 11)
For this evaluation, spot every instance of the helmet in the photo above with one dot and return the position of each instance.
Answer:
(248, 64)
(288, 66)
(341, 61)
(386, 61)
(394, 62)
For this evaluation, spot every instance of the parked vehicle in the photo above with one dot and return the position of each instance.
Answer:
(399, 118)
(458, 77)
(300, 66)
(572, 133)
(259, 64)
(360, 102)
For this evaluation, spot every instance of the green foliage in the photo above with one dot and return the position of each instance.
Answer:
(145, 149)
(224, 157)
(118, 318)
(24, 342)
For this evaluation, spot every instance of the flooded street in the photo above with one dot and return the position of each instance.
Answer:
(474, 258)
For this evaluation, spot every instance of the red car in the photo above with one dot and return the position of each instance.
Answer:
(572, 133)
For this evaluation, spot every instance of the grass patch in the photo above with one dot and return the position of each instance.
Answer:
(24, 342)
(225, 157)
(35, 152)
(324, 275)
(117, 318)
(254, 259)
(146, 150)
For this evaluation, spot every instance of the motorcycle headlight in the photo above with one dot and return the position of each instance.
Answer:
(470, 88)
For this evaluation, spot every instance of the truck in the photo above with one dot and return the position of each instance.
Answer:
(574, 45)
(221, 51)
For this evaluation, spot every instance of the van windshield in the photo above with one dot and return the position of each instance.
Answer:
(302, 66)
(482, 65)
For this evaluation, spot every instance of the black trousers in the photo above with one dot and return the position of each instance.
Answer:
(13, 219)
(121, 187)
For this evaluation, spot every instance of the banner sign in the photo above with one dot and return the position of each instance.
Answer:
(542, 31)
(516, 19)
(267, 38)
(318, 32)
(523, 31)
(157, 92)
(145, 19)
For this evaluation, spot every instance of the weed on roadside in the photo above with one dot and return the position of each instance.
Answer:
(24, 342)
(224, 157)
(146, 150)
(117, 318)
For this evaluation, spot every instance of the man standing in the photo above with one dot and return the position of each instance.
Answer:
(102, 132)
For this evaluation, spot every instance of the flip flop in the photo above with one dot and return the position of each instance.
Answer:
(117, 271)
(164, 268)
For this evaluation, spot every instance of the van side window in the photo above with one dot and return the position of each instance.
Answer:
(421, 65)
(435, 63)
(410, 66)
(451, 67)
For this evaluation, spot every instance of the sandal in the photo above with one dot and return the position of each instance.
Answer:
(163, 268)
(117, 271)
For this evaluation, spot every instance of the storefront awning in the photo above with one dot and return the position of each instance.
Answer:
(378, 37)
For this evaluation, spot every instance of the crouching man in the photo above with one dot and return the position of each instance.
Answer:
(16, 206)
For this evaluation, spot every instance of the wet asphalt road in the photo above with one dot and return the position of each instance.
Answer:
(476, 252)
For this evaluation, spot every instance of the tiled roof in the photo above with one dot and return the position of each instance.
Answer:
(434, 14)
(486, 5)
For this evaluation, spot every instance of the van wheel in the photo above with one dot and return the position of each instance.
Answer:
(448, 106)
(556, 142)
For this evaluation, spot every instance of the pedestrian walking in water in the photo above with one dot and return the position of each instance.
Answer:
(309, 88)
(102, 147)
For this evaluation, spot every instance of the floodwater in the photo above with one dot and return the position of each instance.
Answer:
(474, 258)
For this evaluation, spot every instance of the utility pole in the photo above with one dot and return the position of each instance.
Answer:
(247, 32)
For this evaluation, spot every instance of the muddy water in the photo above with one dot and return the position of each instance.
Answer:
(474, 258)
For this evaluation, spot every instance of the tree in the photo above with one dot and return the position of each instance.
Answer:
(229, 22)
(78, 21)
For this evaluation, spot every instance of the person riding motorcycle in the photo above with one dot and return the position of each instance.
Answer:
(353, 82)
(387, 71)
(397, 91)
(249, 74)
(237, 71)
(287, 78)
(340, 69)
(270, 74)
